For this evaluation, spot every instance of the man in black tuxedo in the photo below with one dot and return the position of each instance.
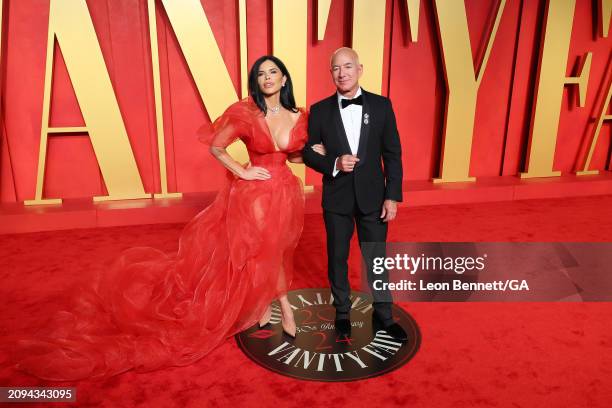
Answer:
(358, 131)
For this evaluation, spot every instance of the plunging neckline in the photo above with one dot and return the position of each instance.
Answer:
(272, 140)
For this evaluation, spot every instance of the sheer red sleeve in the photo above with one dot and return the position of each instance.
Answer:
(300, 132)
(232, 125)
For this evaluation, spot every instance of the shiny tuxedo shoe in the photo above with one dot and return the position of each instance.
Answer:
(343, 326)
(394, 330)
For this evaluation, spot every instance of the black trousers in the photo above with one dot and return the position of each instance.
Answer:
(372, 231)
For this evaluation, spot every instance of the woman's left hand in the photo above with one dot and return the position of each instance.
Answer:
(319, 148)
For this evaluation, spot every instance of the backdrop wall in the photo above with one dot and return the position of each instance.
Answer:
(417, 74)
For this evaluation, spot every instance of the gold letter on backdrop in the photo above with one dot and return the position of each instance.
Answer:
(551, 81)
(369, 40)
(244, 69)
(1, 27)
(414, 7)
(602, 116)
(1, 108)
(70, 23)
(202, 54)
(605, 13)
(205, 62)
(290, 28)
(462, 84)
(323, 7)
(159, 115)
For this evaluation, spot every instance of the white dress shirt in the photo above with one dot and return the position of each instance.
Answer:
(351, 119)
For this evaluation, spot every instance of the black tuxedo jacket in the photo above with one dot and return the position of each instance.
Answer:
(369, 184)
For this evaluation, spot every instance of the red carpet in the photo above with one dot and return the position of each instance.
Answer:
(472, 354)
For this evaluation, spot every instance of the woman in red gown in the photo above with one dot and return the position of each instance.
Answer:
(152, 310)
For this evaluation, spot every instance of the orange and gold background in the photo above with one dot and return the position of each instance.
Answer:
(413, 51)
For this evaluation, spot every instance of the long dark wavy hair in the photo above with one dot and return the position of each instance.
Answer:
(287, 99)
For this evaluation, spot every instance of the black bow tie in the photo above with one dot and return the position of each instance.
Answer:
(346, 102)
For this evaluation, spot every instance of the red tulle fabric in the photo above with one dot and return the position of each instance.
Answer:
(153, 310)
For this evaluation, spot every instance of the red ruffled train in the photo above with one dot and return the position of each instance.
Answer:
(152, 310)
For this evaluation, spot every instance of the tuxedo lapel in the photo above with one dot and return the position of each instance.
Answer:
(365, 127)
(337, 119)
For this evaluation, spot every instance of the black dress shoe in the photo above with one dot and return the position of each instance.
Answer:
(394, 330)
(343, 327)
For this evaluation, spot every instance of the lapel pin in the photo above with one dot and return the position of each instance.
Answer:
(366, 118)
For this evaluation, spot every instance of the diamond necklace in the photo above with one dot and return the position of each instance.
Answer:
(274, 109)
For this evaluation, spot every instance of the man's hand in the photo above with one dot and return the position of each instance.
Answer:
(389, 210)
(346, 163)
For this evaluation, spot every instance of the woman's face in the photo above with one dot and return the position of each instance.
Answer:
(270, 78)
